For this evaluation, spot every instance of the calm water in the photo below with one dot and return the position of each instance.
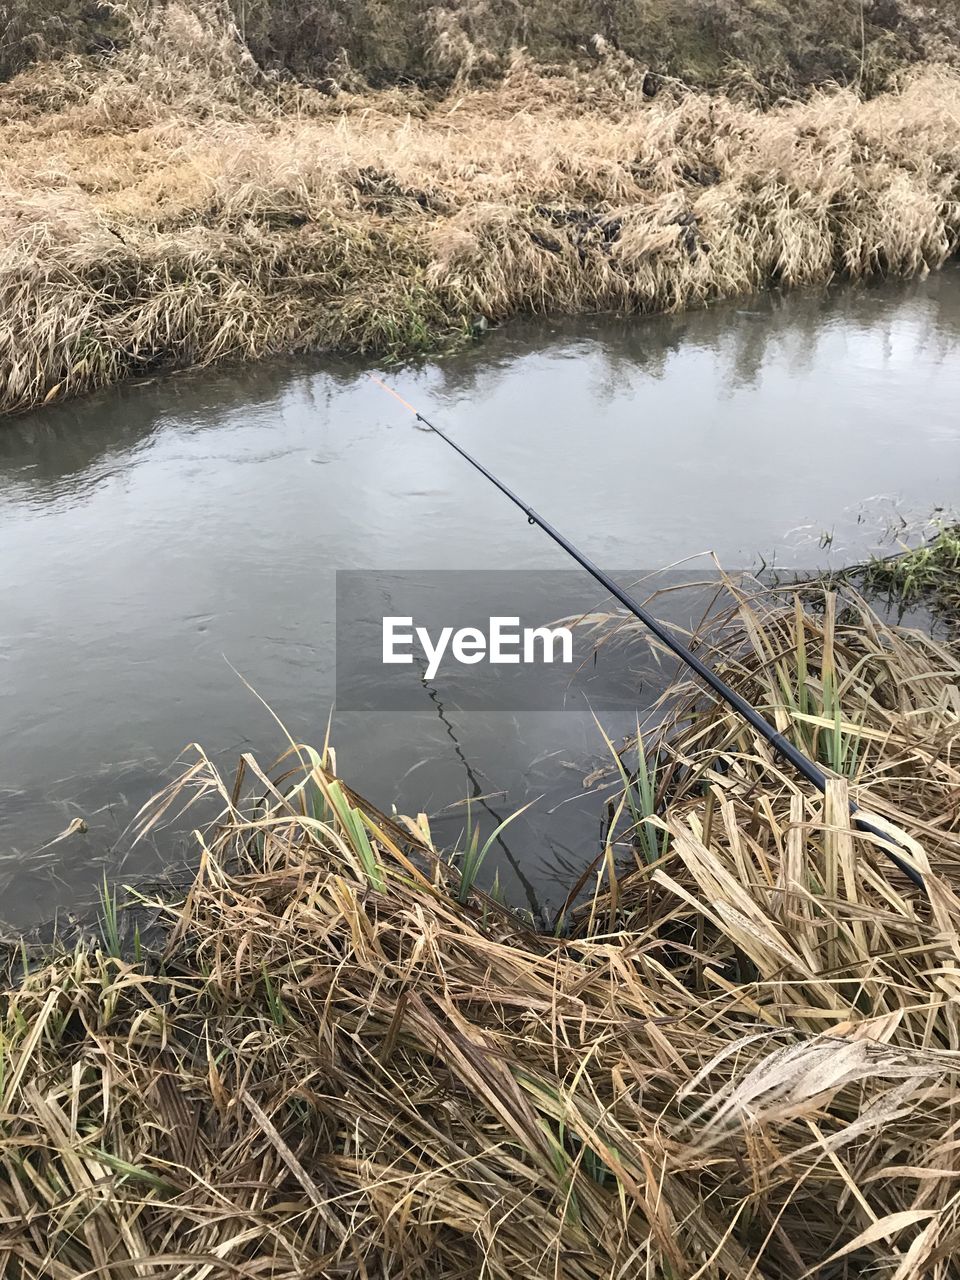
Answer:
(156, 538)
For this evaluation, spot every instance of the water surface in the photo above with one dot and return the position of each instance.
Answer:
(158, 539)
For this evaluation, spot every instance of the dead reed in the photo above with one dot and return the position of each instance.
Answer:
(741, 1062)
(173, 205)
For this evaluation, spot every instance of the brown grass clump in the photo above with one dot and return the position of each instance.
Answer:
(178, 207)
(741, 1062)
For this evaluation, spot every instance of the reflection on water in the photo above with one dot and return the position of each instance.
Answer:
(153, 535)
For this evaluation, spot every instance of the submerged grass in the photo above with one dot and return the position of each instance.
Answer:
(928, 574)
(171, 205)
(741, 1062)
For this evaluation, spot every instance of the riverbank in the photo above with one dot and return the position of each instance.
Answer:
(735, 1060)
(171, 205)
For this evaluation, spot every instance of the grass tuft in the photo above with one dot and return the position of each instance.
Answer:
(929, 573)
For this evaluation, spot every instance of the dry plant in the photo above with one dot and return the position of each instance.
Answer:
(176, 207)
(742, 1061)
(780, 48)
(185, 55)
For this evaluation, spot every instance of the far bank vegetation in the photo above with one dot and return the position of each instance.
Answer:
(169, 202)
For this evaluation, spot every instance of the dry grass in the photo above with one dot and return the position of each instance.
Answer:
(773, 47)
(177, 207)
(742, 1062)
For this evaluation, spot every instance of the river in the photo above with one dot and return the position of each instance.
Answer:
(159, 539)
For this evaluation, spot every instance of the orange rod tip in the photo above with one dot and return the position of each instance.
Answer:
(390, 391)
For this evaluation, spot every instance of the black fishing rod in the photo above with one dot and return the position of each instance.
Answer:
(803, 765)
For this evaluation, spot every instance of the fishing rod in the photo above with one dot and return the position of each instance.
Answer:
(803, 765)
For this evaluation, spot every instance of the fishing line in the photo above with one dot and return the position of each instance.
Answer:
(803, 765)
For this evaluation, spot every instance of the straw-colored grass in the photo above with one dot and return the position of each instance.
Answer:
(741, 1061)
(173, 206)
